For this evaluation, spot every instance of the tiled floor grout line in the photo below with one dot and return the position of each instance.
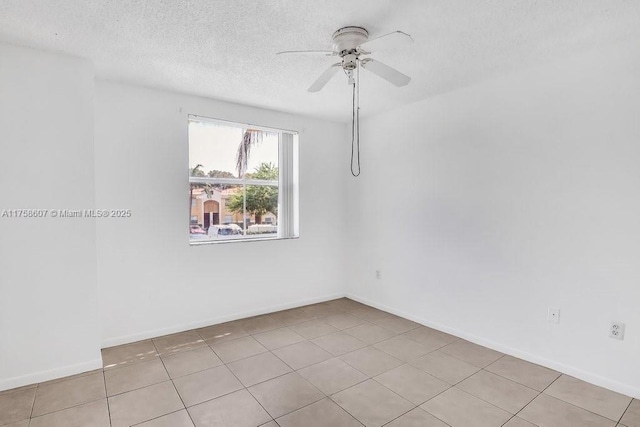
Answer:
(538, 395)
(248, 391)
(172, 383)
(624, 412)
(576, 406)
(514, 381)
(106, 395)
(64, 409)
(431, 398)
(159, 416)
(33, 403)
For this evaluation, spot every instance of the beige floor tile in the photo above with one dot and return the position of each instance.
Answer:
(459, 409)
(291, 317)
(469, 352)
(176, 419)
(501, 392)
(324, 413)
(546, 411)
(23, 423)
(302, 354)
(518, 422)
(445, 367)
(238, 409)
(135, 376)
(259, 368)
(94, 414)
(237, 349)
(13, 390)
(257, 324)
(175, 343)
(343, 321)
(369, 333)
(206, 385)
(222, 332)
(189, 362)
(416, 418)
(370, 314)
(71, 377)
(270, 424)
(65, 394)
(631, 417)
(372, 404)
(397, 324)
(339, 343)
(16, 405)
(128, 354)
(371, 361)
(318, 311)
(332, 376)
(533, 376)
(590, 397)
(278, 338)
(144, 404)
(411, 383)
(313, 329)
(285, 394)
(402, 348)
(344, 304)
(430, 338)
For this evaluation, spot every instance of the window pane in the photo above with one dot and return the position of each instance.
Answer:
(218, 214)
(214, 150)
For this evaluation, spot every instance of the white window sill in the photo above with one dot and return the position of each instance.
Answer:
(204, 242)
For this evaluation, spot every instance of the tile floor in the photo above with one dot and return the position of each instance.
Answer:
(334, 364)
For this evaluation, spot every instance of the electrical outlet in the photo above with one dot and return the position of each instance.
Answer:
(617, 330)
(378, 274)
(554, 315)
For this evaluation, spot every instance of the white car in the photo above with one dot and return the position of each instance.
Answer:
(262, 229)
(224, 232)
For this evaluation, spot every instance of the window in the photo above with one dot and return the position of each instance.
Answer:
(242, 182)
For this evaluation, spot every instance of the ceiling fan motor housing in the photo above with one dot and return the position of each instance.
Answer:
(347, 39)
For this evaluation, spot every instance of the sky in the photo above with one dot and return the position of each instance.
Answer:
(215, 146)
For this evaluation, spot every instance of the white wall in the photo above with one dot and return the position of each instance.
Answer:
(151, 281)
(486, 206)
(49, 325)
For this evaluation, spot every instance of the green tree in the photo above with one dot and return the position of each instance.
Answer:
(260, 199)
(221, 174)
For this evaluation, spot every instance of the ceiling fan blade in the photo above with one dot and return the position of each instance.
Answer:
(324, 78)
(308, 52)
(388, 41)
(389, 74)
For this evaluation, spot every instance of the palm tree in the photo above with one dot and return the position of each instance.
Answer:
(250, 138)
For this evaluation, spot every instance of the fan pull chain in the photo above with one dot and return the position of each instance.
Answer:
(355, 123)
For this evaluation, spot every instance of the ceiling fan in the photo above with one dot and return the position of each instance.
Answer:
(353, 45)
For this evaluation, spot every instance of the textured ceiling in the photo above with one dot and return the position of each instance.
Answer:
(226, 49)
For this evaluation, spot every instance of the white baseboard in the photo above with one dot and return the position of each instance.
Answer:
(126, 339)
(51, 374)
(627, 389)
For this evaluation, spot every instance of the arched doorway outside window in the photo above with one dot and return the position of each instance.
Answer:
(211, 213)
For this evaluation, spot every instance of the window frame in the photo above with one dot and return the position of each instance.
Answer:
(287, 182)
